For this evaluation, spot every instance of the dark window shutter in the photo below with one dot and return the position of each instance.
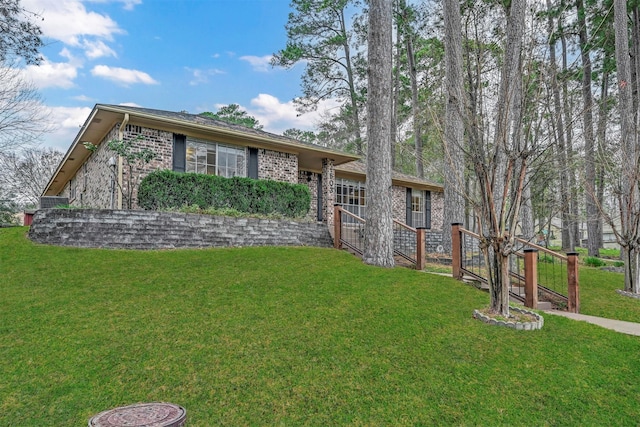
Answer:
(253, 163)
(427, 209)
(320, 218)
(409, 215)
(179, 153)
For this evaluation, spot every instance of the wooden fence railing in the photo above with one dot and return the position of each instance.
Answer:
(536, 272)
(408, 242)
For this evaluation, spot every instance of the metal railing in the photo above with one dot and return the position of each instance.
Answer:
(408, 242)
(535, 272)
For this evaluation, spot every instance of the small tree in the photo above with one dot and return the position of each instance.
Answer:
(135, 159)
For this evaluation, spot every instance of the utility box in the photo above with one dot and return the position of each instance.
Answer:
(48, 202)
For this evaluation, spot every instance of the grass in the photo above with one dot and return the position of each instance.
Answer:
(288, 336)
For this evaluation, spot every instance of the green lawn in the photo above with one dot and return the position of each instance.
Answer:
(291, 336)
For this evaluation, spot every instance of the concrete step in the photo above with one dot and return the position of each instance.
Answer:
(544, 305)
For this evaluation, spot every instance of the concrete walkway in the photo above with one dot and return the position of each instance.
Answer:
(629, 328)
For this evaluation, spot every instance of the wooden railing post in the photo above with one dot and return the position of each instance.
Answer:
(573, 286)
(337, 227)
(456, 250)
(531, 278)
(420, 249)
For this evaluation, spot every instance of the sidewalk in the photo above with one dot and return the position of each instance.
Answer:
(629, 328)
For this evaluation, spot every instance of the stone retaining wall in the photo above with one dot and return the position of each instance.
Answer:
(137, 229)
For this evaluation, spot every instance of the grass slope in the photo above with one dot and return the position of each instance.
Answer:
(291, 336)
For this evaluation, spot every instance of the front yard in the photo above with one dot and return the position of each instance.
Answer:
(265, 336)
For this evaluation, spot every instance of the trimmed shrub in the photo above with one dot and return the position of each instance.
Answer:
(592, 261)
(166, 189)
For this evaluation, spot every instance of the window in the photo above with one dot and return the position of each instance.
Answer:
(215, 159)
(417, 209)
(72, 188)
(352, 196)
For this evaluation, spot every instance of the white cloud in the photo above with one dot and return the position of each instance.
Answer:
(277, 116)
(130, 104)
(259, 63)
(52, 74)
(67, 122)
(82, 98)
(201, 76)
(127, 4)
(97, 49)
(122, 75)
(70, 22)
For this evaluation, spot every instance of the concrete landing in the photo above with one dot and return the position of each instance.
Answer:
(628, 328)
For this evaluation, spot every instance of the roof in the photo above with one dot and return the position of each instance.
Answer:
(358, 170)
(104, 117)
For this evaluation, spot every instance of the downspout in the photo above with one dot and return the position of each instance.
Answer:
(124, 123)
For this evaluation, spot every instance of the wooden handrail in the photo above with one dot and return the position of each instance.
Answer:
(351, 214)
(541, 248)
(402, 224)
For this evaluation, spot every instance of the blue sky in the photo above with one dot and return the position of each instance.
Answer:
(193, 55)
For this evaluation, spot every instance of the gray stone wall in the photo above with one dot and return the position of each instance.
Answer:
(134, 229)
(277, 166)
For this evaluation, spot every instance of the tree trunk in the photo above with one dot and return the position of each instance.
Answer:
(628, 196)
(454, 161)
(568, 122)
(567, 238)
(378, 245)
(415, 107)
(353, 96)
(603, 115)
(591, 203)
(498, 266)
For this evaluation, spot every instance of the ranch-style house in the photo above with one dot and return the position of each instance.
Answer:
(192, 143)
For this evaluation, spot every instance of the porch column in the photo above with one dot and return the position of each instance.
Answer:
(420, 249)
(573, 287)
(328, 190)
(531, 278)
(456, 250)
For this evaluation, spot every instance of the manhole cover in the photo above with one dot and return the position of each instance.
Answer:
(142, 415)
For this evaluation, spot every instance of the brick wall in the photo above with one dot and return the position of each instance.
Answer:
(93, 180)
(104, 228)
(328, 190)
(160, 142)
(277, 166)
(437, 211)
(310, 179)
(399, 203)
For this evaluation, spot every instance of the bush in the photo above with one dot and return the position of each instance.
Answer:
(618, 264)
(171, 190)
(592, 261)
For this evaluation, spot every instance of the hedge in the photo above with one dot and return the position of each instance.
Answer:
(165, 189)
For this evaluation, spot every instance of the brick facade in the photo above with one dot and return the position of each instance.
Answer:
(278, 166)
(91, 187)
(93, 181)
(437, 211)
(310, 179)
(399, 203)
(328, 190)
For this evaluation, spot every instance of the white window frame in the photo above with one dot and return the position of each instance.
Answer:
(213, 154)
(352, 195)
